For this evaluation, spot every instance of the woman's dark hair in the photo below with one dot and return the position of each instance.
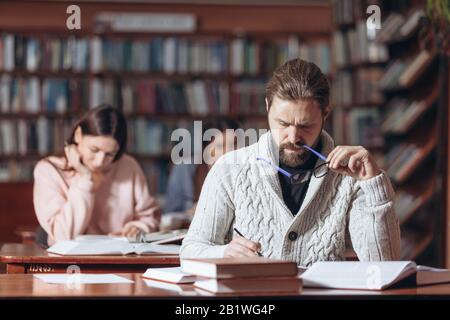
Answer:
(103, 120)
(221, 123)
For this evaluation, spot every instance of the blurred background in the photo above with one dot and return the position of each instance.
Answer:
(168, 63)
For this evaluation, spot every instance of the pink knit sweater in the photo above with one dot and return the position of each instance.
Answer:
(66, 204)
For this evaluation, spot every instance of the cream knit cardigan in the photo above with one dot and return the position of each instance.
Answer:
(241, 192)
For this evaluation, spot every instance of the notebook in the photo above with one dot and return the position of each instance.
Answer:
(370, 275)
(225, 268)
(240, 285)
(109, 247)
(172, 275)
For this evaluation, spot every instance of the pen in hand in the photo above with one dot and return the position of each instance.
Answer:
(240, 234)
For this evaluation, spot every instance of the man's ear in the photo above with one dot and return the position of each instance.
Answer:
(267, 105)
(78, 135)
(326, 112)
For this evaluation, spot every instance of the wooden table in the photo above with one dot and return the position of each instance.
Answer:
(26, 286)
(30, 258)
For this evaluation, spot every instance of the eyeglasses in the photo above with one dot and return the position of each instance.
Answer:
(300, 177)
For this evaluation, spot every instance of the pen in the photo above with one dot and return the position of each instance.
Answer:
(237, 231)
(321, 156)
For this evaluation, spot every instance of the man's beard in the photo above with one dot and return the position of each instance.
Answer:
(298, 155)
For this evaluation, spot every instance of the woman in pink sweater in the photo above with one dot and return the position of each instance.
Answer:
(95, 188)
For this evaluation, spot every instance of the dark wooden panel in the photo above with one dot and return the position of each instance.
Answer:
(16, 210)
(212, 18)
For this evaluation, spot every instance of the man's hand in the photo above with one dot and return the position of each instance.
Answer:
(241, 247)
(354, 161)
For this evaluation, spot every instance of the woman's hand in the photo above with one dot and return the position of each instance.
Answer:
(354, 161)
(241, 247)
(130, 231)
(74, 159)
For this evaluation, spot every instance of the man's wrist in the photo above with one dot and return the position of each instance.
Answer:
(378, 189)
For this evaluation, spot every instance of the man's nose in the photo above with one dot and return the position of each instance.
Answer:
(294, 135)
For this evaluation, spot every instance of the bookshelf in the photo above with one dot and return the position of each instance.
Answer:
(49, 76)
(400, 118)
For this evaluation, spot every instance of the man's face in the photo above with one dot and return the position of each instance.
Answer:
(294, 123)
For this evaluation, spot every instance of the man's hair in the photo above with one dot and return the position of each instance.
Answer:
(298, 79)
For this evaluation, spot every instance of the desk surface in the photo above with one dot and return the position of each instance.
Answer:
(32, 254)
(26, 286)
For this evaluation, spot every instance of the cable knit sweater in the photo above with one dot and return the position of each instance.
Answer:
(244, 193)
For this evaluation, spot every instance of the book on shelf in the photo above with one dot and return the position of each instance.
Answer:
(371, 275)
(168, 54)
(171, 275)
(402, 113)
(390, 27)
(226, 268)
(363, 127)
(402, 73)
(398, 27)
(251, 285)
(357, 46)
(402, 159)
(16, 171)
(345, 11)
(409, 200)
(29, 95)
(89, 247)
(342, 89)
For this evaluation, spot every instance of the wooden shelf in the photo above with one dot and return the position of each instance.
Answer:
(428, 102)
(423, 192)
(363, 64)
(410, 84)
(225, 35)
(366, 104)
(410, 167)
(173, 117)
(153, 75)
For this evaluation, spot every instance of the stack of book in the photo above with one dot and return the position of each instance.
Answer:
(232, 275)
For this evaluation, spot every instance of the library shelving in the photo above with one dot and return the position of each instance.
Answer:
(49, 75)
(402, 118)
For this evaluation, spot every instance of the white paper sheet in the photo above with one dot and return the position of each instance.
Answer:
(82, 278)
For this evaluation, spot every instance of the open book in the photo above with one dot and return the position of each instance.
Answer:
(370, 275)
(109, 247)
